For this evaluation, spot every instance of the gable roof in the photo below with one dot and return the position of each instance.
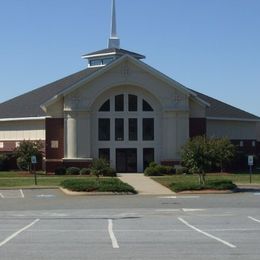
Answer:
(219, 109)
(29, 104)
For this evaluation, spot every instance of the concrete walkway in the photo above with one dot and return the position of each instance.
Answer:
(144, 185)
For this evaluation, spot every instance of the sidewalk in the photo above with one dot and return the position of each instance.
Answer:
(144, 185)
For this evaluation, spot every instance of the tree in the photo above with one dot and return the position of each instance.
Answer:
(25, 151)
(99, 166)
(197, 155)
(224, 152)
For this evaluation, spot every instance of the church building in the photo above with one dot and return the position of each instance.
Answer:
(121, 109)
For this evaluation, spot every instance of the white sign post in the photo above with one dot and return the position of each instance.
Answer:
(250, 164)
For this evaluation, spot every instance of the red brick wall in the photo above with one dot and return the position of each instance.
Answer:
(54, 128)
(54, 132)
(198, 126)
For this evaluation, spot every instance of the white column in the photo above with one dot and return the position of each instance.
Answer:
(71, 135)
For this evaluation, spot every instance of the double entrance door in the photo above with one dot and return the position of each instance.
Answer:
(126, 160)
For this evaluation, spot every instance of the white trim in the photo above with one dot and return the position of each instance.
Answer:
(100, 72)
(23, 118)
(96, 66)
(77, 159)
(98, 55)
(232, 119)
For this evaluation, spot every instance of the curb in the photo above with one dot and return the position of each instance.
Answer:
(207, 192)
(30, 188)
(85, 193)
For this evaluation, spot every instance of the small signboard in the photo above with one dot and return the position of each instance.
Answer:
(250, 160)
(33, 159)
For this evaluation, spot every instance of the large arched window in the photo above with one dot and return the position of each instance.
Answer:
(128, 114)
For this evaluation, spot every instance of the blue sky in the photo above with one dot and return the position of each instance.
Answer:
(211, 46)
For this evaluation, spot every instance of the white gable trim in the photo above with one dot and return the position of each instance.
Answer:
(110, 66)
(23, 119)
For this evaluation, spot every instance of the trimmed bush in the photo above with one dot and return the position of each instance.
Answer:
(152, 171)
(85, 171)
(3, 162)
(181, 170)
(210, 185)
(152, 164)
(73, 171)
(159, 170)
(109, 172)
(101, 185)
(60, 170)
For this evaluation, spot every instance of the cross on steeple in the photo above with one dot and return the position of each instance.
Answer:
(114, 41)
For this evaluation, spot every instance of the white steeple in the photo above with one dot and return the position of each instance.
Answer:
(114, 41)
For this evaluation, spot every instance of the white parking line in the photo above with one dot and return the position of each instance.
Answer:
(18, 232)
(179, 197)
(207, 234)
(192, 210)
(22, 194)
(167, 210)
(2, 196)
(111, 234)
(254, 219)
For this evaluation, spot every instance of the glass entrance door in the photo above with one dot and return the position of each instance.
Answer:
(126, 160)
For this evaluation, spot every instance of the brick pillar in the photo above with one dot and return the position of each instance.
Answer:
(54, 150)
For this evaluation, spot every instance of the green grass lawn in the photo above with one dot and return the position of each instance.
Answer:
(18, 179)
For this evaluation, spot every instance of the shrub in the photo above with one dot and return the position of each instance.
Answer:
(99, 166)
(212, 184)
(109, 172)
(3, 162)
(85, 171)
(73, 171)
(22, 164)
(152, 171)
(181, 170)
(60, 170)
(166, 170)
(101, 185)
(152, 164)
(220, 185)
(159, 170)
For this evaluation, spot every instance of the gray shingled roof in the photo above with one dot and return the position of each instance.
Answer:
(116, 51)
(222, 110)
(28, 104)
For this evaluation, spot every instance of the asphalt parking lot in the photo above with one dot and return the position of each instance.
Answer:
(46, 224)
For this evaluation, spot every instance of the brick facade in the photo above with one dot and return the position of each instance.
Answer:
(54, 144)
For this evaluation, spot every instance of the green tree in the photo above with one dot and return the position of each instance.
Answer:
(197, 155)
(224, 152)
(99, 166)
(25, 151)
